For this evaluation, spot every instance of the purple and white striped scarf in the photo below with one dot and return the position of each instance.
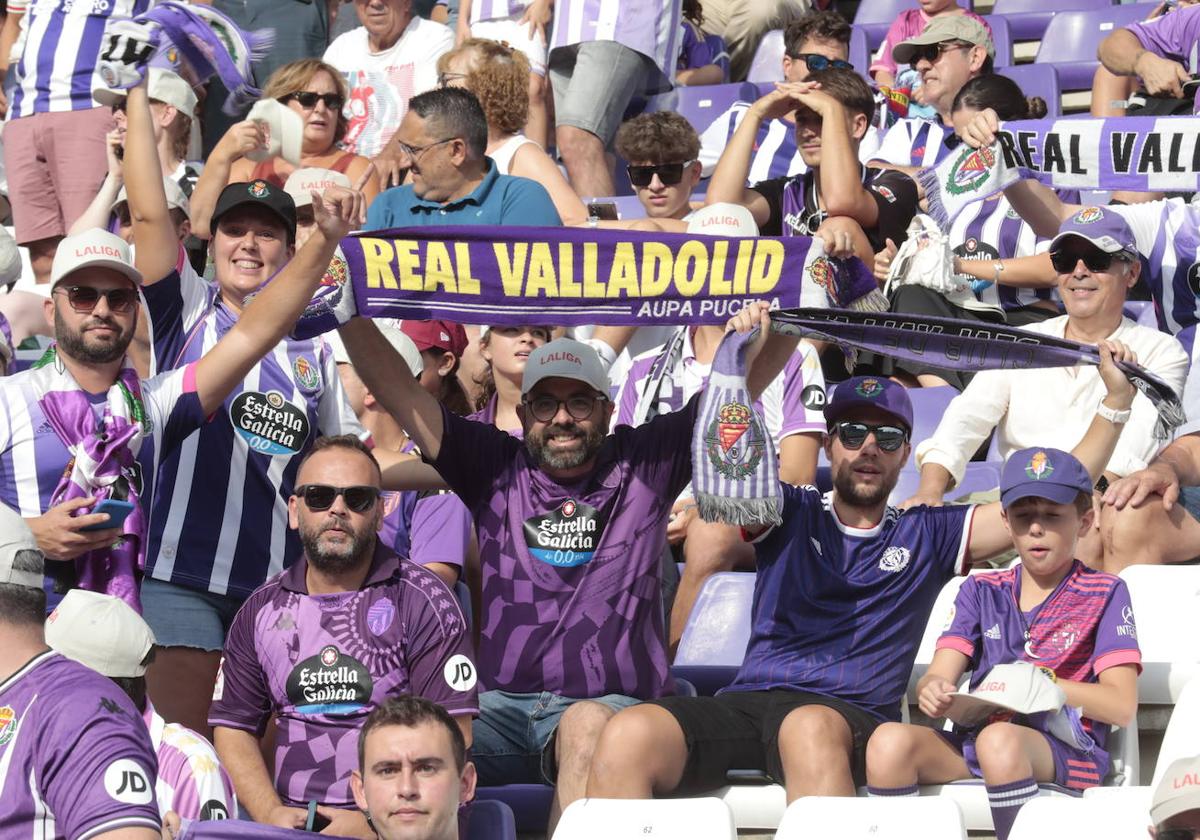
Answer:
(103, 464)
(734, 472)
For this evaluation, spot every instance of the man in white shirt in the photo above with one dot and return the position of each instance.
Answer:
(388, 60)
(1095, 256)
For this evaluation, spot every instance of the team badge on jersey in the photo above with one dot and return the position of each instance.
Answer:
(380, 616)
(1039, 467)
(268, 423)
(330, 683)
(970, 171)
(735, 441)
(8, 724)
(259, 189)
(307, 373)
(1088, 215)
(566, 536)
(894, 559)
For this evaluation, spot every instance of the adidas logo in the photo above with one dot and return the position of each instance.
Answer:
(993, 632)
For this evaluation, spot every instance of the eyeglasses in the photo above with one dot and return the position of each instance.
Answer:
(932, 52)
(308, 100)
(545, 408)
(1177, 834)
(415, 151)
(83, 299)
(854, 435)
(817, 62)
(444, 79)
(1065, 259)
(320, 497)
(669, 173)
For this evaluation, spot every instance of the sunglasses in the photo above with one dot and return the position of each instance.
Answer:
(817, 63)
(1065, 260)
(320, 497)
(1177, 834)
(545, 408)
(669, 173)
(83, 299)
(932, 52)
(308, 100)
(854, 435)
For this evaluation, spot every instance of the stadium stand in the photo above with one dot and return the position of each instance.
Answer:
(896, 818)
(1098, 819)
(669, 819)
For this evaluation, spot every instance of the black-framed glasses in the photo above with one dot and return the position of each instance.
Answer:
(669, 173)
(83, 299)
(320, 497)
(309, 99)
(416, 151)
(932, 52)
(817, 62)
(853, 435)
(580, 407)
(1064, 260)
(444, 79)
(1177, 834)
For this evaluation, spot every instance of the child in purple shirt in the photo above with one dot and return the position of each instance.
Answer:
(1074, 624)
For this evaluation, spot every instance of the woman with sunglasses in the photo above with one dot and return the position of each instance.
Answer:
(498, 76)
(317, 92)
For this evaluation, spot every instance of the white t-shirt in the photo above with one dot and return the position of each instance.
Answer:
(382, 83)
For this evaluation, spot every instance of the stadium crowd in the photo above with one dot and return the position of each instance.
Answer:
(340, 582)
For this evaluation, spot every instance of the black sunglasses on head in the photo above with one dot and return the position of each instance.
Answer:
(83, 299)
(817, 62)
(320, 497)
(1065, 259)
(669, 173)
(308, 99)
(853, 435)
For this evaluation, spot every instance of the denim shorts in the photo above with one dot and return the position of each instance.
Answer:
(1189, 497)
(185, 617)
(513, 737)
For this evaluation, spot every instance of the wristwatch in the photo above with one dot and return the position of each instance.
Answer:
(1112, 415)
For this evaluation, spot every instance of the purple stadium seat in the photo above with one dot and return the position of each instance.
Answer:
(979, 476)
(223, 829)
(714, 640)
(929, 404)
(767, 65)
(1072, 38)
(1038, 80)
(860, 51)
(1028, 19)
(1001, 39)
(528, 804)
(702, 104)
(875, 16)
(489, 819)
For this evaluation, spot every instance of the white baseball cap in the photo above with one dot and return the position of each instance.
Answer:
(284, 129)
(162, 86)
(568, 359)
(100, 631)
(175, 197)
(302, 183)
(94, 248)
(1016, 687)
(723, 219)
(15, 537)
(403, 344)
(1177, 791)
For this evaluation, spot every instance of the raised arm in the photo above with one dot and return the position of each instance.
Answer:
(241, 138)
(154, 234)
(728, 182)
(769, 352)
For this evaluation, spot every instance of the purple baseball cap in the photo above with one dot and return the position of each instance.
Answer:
(870, 392)
(1043, 473)
(1100, 226)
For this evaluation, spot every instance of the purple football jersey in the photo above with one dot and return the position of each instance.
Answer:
(75, 758)
(321, 663)
(572, 596)
(840, 611)
(1085, 626)
(426, 527)
(1175, 35)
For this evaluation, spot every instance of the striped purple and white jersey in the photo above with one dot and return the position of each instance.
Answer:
(1168, 238)
(219, 518)
(57, 69)
(991, 230)
(912, 142)
(482, 10)
(650, 27)
(75, 759)
(32, 458)
(191, 780)
(775, 152)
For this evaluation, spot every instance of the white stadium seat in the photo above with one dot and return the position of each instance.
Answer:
(879, 818)
(1093, 818)
(638, 819)
(1166, 600)
(1182, 738)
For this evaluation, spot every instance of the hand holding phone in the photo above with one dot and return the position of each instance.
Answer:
(116, 509)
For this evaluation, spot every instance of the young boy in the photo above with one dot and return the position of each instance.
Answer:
(1074, 624)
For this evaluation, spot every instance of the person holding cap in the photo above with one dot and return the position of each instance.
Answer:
(77, 761)
(818, 678)
(571, 524)
(1095, 258)
(218, 528)
(1074, 624)
(106, 635)
(1175, 807)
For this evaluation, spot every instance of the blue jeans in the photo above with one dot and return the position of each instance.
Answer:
(181, 616)
(513, 737)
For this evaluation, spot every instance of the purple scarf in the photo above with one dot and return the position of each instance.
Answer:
(103, 464)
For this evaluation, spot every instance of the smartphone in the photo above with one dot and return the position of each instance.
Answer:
(605, 211)
(116, 509)
(316, 820)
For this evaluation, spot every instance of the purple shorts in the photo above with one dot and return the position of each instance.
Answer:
(1073, 768)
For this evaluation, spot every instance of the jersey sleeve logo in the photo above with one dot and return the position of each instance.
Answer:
(214, 809)
(126, 781)
(459, 673)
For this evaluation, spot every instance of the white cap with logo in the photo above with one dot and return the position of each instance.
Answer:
(1178, 790)
(15, 539)
(568, 359)
(302, 183)
(392, 332)
(162, 86)
(176, 200)
(94, 248)
(100, 631)
(1015, 687)
(723, 219)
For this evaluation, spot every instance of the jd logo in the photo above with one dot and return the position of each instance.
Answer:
(125, 781)
(459, 673)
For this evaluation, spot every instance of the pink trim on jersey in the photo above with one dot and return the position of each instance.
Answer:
(181, 260)
(1118, 657)
(958, 643)
(189, 378)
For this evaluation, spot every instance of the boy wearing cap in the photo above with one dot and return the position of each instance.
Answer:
(1075, 624)
(106, 635)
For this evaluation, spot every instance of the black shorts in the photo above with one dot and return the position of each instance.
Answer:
(739, 730)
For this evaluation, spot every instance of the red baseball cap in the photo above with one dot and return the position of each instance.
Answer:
(442, 335)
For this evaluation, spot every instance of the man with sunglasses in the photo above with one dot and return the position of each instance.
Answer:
(1175, 808)
(844, 590)
(325, 642)
(661, 149)
(818, 41)
(1095, 258)
(443, 142)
